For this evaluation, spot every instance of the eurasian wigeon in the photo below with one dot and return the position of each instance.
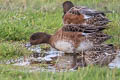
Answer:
(71, 42)
(83, 15)
(101, 55)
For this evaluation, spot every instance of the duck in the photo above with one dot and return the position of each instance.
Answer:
(73, 38)
(83, 15)
(100, 55)
(71, 42)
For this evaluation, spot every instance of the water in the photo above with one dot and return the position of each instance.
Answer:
(36, 58)
(54, 53)
(116, 62)
(48, 57)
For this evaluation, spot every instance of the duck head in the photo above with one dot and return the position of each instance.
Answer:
(39, 38)
(67, 5)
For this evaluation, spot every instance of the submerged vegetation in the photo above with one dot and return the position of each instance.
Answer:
(20, 18)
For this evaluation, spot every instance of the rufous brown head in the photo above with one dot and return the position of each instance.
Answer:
(67, 5)
(39, 38)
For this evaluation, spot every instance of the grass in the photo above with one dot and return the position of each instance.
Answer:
(10, 50)
(19, 19)
(87, 73)
(46, 16)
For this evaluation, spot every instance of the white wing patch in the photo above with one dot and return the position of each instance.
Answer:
(65, 46)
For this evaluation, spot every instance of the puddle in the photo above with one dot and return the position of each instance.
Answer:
(39, 58)
(116, 62)
(45, 60)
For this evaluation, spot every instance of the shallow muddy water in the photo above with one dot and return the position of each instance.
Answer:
(42, 60)
(116, 62)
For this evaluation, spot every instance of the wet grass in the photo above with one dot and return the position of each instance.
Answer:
(87, 73)
(19, 19)
(12, 50)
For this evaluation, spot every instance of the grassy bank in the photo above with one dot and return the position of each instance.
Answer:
(18, 23)
(11, 50)
(88, 73)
